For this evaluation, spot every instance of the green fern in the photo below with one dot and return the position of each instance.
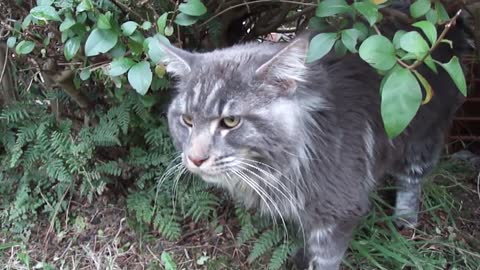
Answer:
(167, 223)
(265, 243)
(15, 113)
(110, 168)
(281, 254)
(140, 204)
(202, 205)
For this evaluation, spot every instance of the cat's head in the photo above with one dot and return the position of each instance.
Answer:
(235, 107)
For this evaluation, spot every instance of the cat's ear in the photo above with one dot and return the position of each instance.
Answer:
(177, 61)
(286, 68)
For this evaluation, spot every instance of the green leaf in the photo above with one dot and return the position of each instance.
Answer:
(168, 261)
(414, 43)
(349, 39)
(140, 77)
(153, 47)
(85, 74)
(66, 34)
(185, 20)
(441, 12)
(104, 21)
(100, 41)
(162, 23)
(82, 17)
(168, 30)
(401, 98)
(118, 51)
(11, 41)
(160, 70)
(193, 8)
(420, 8)
(429, 29)
(85, 5)
(45, 13)
(368, 10)
(320, 45)
(67, 23)
(340, 49)
(46, 40)
(146, 25)
(362, 30)
(25, 47)
(71, 48)
(128, 28)
(379, 52)
(332, 7)
(44, 2)
(426, 86)
(138, 37)
(430, 63)
(120, 66)
(397, 37)
(27, 21)
(454, 69)
(432, 16)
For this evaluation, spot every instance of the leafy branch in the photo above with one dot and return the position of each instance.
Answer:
(440, 39)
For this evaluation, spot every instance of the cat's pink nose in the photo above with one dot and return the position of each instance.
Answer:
(197, 160)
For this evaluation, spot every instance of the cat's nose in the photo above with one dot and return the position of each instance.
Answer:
(197, 160)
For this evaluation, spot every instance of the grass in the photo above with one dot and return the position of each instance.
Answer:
(100, 236)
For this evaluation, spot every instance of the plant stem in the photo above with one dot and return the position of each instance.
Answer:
(439, 40)
(255, 2)
(434, 46)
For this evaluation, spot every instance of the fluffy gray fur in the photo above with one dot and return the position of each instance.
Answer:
(311, 144)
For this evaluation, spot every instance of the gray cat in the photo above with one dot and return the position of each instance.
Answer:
(300, 141)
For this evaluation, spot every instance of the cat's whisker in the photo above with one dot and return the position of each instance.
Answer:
(171, 169)
(273, 178)
(283, 191)
(251, 184)
(269, 167)
(292, 200)
(300, 157)
(175, 187)
(270, 199)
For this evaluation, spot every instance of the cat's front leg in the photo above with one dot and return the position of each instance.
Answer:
(327, 245)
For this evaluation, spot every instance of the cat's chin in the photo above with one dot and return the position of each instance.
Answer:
(211, 178)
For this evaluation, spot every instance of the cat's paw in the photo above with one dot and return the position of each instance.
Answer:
(405, 219)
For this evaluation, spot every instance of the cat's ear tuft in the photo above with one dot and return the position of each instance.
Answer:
(287, 67)
(178, 62)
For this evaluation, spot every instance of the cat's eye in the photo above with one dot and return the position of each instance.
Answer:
(187, 120)
(230, 122)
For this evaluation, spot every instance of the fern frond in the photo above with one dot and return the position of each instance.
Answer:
(167, 223)
(265, 243)
(106, 133)
(56, 169)
(110, 168)
(141, 205)
(202, 205)
(15, 113)
(281, 254)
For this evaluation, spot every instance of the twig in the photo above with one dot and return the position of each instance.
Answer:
(299, 14)
(4, 65)
(254, 2)
(127, 9)
(175, 10)
(439, 40)
(434, 46)
(478, 186)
